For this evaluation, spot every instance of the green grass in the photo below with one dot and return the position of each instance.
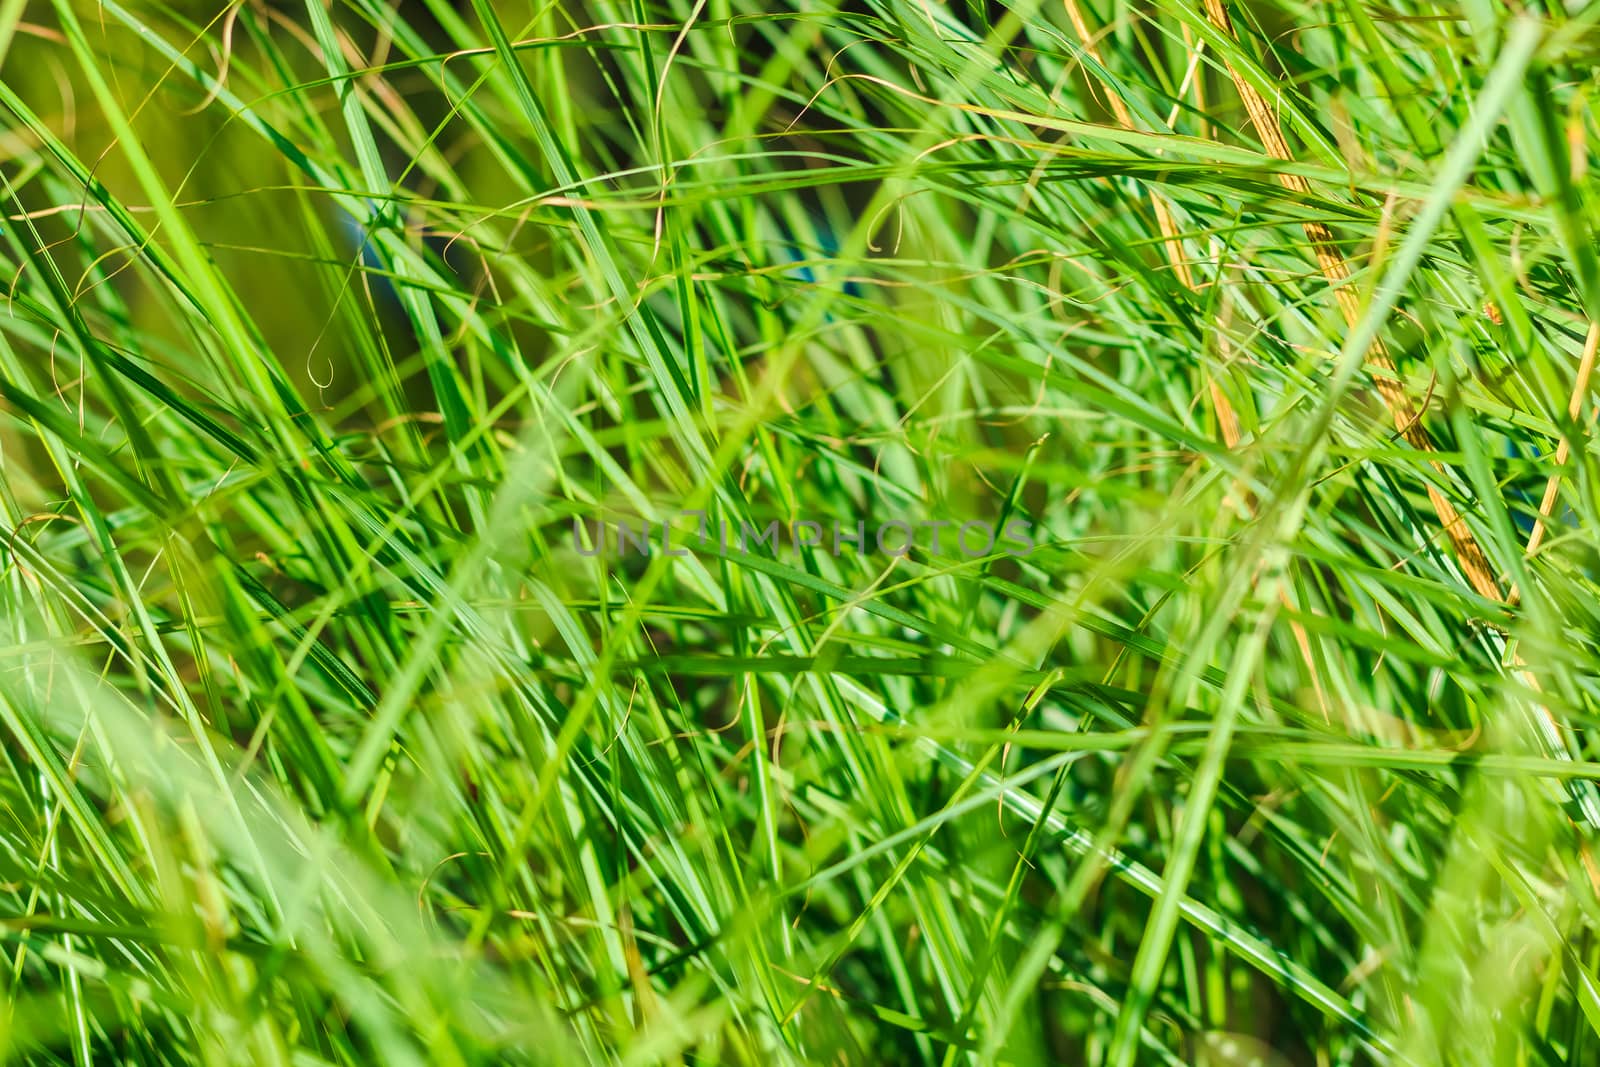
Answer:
(323, 742)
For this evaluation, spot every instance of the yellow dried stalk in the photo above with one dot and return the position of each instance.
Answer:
(1227, 420)
(1336, 270)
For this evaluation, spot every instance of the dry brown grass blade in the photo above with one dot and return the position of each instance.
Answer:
(1580, 388)
(1336, 270)
(1405, 414)
(1227, 419)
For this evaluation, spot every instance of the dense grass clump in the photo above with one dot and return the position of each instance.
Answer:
(1120, 511)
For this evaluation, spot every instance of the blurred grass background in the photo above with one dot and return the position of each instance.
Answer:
(323, 743)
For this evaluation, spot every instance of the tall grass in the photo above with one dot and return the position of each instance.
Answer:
(334, 334)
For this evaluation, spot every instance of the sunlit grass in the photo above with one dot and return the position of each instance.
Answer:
(330, 331)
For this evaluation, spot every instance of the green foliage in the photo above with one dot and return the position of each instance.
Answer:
(328, 328)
